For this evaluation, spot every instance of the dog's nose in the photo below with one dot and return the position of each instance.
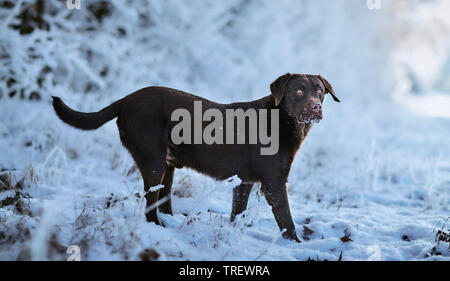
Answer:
(316, 106)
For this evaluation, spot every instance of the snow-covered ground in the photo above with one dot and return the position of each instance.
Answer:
(376, 170)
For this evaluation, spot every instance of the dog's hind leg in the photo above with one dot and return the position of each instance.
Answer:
(166, 207)
(240, 199)
(152, 173)
(149, 153)
(147, 143)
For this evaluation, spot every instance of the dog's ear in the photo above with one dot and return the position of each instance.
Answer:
(278, 87)
(329, 88)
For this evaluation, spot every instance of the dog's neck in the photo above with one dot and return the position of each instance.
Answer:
(293, 131)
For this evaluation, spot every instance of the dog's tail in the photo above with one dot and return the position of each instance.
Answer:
(86, 121)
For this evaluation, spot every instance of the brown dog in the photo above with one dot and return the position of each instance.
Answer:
(145, 126)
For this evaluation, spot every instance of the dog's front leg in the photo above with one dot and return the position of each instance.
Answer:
(276, 196)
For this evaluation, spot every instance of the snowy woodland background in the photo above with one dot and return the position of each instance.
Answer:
(371, 182)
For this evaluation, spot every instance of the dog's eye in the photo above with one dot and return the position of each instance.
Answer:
(299, 92)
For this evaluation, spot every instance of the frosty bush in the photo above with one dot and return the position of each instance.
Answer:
(226, 50)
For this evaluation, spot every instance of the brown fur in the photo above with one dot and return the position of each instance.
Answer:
(144, 123)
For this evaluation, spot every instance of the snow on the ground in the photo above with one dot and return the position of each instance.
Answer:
(386, 188)
(371, 181)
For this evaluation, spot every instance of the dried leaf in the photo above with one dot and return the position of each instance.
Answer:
(306, 232)
(149, 255)
(346, 239)
(307, 220)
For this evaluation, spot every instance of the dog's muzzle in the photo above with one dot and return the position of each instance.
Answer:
(313, 115)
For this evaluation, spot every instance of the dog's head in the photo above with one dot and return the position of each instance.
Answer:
(302, 95)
